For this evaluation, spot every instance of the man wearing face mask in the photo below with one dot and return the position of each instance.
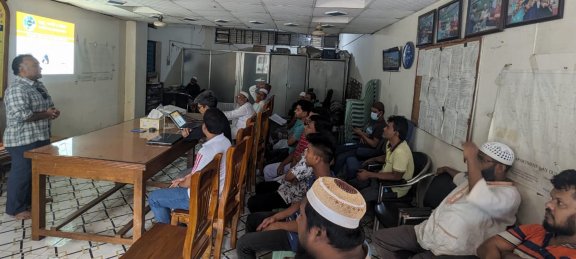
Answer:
(483, 204)
(371, 140)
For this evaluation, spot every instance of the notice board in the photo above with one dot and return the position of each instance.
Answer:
(444, 89)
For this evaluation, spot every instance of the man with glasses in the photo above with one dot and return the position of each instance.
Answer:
(29, 110)
(483, 204)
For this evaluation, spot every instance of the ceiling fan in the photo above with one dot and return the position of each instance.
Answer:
(159, 22)
(319, 31)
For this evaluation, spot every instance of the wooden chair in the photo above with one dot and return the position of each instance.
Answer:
(194, 241)
(245, 132)
(262, 140)
(231, 201)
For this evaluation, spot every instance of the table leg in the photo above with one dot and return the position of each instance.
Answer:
(139, 190)
(38, 203)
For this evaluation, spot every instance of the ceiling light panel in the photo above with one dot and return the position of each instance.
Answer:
(198, 6)
(343, 3)
(332, 20)
(301, 3)
(388, 13)
(407, 5)
(350, 12)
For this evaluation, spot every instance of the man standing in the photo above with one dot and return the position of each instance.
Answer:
(555, 238)
(29, 109)
(241, 114)
(483, 204)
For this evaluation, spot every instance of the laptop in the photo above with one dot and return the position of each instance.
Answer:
(181, 121)
(165, 139)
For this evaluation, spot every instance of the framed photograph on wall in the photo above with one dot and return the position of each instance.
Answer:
(522, 12)
(426, 29)
(448, 25)
(391, 59)
(485, 16)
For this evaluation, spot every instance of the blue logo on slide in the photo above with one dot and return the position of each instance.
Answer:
(29, 23)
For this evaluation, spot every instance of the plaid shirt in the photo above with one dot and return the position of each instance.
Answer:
(22, 99)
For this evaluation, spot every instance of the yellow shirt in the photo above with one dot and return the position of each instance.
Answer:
(399, 160)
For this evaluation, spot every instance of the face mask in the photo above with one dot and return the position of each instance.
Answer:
(489, 174)
(374, 116)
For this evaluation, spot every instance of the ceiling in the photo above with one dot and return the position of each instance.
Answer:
(361, 16)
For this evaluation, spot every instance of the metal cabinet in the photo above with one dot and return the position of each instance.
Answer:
(288, 79)
(324, 75)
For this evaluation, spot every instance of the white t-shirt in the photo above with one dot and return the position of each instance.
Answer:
(466, 218)
(239, 116)
(210, 148)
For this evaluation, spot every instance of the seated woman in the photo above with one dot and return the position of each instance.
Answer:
(371, 140)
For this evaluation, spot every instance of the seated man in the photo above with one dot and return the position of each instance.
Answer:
(260, 100)
(398, 162)
(329, 221)
(371, 140)
(163, 201)
(241, 114)
(483, 203)
(285, 147)
(205, 100)
(260, 84)
(292, 186)
(269, 231)
(555, 238)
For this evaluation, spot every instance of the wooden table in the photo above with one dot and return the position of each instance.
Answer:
(111, 154)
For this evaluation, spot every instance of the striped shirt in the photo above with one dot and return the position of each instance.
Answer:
(532, 241)
(23, 98)
(216, 145)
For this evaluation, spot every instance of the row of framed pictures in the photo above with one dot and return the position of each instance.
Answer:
(483, 17)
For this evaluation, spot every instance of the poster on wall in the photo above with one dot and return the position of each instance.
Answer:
(4, 18)
(535, 114)
(262, 63)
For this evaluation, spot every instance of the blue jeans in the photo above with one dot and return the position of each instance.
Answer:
(19, 194)
(163, 201)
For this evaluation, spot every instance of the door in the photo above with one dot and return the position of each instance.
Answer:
(279, 82)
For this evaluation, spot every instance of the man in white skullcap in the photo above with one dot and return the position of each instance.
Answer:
(260, 84)
(483, 204)
(260, 100)
(329, 221)
(241, 114)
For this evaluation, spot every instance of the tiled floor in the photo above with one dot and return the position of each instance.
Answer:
(107, 217)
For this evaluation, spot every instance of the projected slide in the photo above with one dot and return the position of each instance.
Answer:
(48, 40)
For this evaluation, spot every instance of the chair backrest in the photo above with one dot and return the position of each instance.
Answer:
(245, 132)
(270, 105)
(252, 120)
(437, 189)
(264, 124)
(203, 201)
(422, 164)
(235, 173)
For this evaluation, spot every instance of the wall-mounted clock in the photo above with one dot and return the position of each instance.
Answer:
(408, 54)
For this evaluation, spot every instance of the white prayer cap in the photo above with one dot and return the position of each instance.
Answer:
(245, 94)
(337, 201)
(499, 152)
(302, 94)
(260, 80)
(262, 90)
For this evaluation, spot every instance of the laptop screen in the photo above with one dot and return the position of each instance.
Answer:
(178, 119)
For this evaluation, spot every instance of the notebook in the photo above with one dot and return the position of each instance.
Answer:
(181, 122)
(165, 139)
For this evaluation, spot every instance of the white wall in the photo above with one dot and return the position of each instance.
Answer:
(513, 46)
(87, 105)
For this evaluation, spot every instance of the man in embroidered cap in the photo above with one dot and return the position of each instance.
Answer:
(555, 238)
(483, 204)
(241, 114)
(329, 221)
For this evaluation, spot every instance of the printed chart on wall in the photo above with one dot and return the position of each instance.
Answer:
(535, 114)
(444, 90)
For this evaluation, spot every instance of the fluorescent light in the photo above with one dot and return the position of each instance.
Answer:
(256, 22)
(291, 24)
(221, 21)
(117, 2)
(335, 13)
